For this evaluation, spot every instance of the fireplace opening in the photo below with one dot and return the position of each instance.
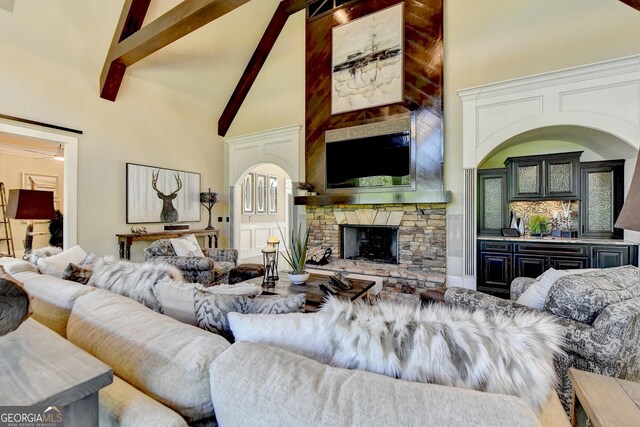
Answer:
(369, 243)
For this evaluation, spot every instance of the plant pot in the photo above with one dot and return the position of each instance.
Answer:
(298, 279)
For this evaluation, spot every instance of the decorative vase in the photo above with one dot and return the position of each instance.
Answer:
(298, 279)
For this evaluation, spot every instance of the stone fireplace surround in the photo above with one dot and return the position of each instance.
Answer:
(422, 243)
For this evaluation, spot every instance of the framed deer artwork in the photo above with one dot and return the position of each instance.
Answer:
(156, 194)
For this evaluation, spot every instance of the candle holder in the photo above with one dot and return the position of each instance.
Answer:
(269, 257)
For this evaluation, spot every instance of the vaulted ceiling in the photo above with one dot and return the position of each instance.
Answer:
(132, 43)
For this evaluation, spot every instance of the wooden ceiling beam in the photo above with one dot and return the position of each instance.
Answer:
(283, 11)
(633, 3)
(131, 19)
(186, 17)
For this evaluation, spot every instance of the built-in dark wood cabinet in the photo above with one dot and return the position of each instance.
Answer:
(602, 194)
(544, 177)
(611, 256)
(492, 201)
(500, 261)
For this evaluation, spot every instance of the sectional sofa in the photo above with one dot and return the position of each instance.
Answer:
(167, 373)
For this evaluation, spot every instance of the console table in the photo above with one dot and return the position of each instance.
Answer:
(125, 240)
(40, 368)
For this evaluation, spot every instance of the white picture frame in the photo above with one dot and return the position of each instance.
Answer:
(247, 194)
(261, 193)
(272, 189)
(367, 61)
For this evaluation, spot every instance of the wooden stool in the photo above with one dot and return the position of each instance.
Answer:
(434, 295)
(242, 272)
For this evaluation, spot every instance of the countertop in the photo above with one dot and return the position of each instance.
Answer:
(559, 240)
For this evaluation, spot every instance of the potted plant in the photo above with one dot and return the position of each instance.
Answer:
(538, 225)
(306, 189)
(295, 253)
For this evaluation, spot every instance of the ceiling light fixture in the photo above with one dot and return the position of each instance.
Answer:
(58, 153)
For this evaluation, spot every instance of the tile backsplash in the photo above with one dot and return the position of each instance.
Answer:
(562, 215)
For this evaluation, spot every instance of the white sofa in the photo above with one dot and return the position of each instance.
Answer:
(171, 374)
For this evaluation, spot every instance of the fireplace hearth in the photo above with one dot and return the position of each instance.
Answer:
(369, 243)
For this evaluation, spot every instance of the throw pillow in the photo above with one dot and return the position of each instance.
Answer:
(448, 345)
(536, 294)
(133, 280)
(176, 298)
(305, 334)
(45, 252)
(212, 309)
(77, 273)
(186, 246)
(55, 265)
(15, 266)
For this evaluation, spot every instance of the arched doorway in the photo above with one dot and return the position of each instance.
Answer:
(264, 209)
(278, 149)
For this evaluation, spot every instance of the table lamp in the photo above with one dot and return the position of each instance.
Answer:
(31, 205)
(207, 200)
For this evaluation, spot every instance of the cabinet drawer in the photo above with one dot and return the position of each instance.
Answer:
(560, 263)
(491, 246)
(552, 249)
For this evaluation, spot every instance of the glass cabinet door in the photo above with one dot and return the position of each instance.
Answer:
(602, 197)
(492, 201)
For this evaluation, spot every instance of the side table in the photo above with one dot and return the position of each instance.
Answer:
(605, 401)
(40, 368)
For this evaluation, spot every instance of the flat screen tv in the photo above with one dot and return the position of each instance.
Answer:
(379, 161)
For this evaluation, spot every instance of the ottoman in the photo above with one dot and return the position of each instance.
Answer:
(242, 272)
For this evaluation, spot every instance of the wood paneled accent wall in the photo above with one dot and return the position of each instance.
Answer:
(423, 71)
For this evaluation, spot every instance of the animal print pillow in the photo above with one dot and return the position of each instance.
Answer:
(212, 309)
(186, 246)
(77, 273)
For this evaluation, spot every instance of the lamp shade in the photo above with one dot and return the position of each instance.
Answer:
(629, 217)
(30, 204)
(209, 197)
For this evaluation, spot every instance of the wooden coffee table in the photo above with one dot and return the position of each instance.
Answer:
(315, 295)
(605, 401)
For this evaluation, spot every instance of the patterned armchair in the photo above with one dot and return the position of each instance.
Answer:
(210, 270)
(600, 312)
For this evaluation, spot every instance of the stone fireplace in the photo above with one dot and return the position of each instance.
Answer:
(420, 241)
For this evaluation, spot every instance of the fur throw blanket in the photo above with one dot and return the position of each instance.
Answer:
(133, 280)
(45, 252)
(449, 346)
